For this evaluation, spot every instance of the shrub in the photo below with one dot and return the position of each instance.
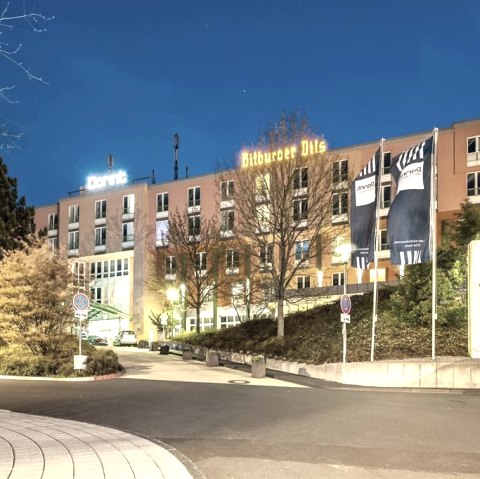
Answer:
(102, 361)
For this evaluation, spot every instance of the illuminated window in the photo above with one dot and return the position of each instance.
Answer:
(263, 216)
(338, 279)
(233, 258)
(162, 202)
(340, 203)
(300, 210)
(100, 236)
(161, 230)
(53, 222)
(473, 184)
(194, 196)
(170, 265)
(228, 218)
(303, 282)
(301, 250)
(73, 213)
(387, 163)
(262, 185)
(227, 190)
(129, 204)
(340, 171)
(100, 209)
(73, 238)
(300, 178)
(194, 225)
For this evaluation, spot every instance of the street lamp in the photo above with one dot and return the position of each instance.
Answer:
(173, 296)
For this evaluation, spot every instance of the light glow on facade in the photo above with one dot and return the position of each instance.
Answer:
(305, 149)
(113, 179)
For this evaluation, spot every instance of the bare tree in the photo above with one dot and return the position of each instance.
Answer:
(286, 204)
(191, 258)
(10, 50)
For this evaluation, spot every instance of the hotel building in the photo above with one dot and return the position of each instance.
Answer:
(110, 227)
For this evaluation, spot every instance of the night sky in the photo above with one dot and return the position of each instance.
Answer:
(124, 76)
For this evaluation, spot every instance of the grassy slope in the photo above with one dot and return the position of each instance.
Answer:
(315, 336)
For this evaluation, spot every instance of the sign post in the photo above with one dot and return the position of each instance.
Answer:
(81, 304)
(346, 307)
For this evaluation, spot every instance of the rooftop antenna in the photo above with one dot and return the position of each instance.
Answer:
(186, 172)
(175, 156)
(110, 162)
(153, 177)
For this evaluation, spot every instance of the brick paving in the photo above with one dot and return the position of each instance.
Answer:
(34, 447)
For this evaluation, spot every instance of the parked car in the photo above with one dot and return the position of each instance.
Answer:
(125, 338)
(97, 341)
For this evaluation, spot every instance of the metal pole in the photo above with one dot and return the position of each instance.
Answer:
(79, 335)
(344, 325)
(433, 233)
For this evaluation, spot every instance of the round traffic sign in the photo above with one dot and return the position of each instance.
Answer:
(81, 302)
(345, 304)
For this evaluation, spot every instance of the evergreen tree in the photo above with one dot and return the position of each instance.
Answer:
(16, 218)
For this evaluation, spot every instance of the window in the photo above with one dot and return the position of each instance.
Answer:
(263, 216)
(73, 240)
(100, 236)
(266, 254)
(129, 204)
(384, 244)
(127, 232)
(228, 218)
(387, 162)
(262, 185)
(53, 243)
(303, 282)
(473, 184)
(201, 261)
(161, 231)
(227, 190)
(473, 149)
(53, 222)
(170, 265)
(233, 259)
(302, 250)
(340, 203)
(162, 202)
(194, 196)
(229, 321)
(385, 196)
(300, 210)
(300, 178)
(338, 279)
(194, 225)
(100, 209)
(73, 213)
(340, 171)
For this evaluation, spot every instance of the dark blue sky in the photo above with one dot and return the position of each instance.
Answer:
(125, 76)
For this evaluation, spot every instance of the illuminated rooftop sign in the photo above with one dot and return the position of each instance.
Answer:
(112, 179)
(305, 149)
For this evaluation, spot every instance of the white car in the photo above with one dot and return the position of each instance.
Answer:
(125, 338)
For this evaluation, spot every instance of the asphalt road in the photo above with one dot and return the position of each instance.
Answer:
(233, 429)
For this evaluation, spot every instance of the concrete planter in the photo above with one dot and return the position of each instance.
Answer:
(212, 359)
(187, 354)
(259, 367)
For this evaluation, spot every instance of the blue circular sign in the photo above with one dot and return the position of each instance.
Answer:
(345, 304)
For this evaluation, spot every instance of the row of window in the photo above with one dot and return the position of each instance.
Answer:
(100, 236)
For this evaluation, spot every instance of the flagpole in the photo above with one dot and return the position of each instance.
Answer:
(375, 253)
(433, 235)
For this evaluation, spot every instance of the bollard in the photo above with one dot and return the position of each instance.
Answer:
(212, 359)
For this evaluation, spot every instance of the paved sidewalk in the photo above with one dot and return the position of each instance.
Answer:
(34, 447)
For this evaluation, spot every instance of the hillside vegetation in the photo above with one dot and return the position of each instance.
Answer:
(315, 336)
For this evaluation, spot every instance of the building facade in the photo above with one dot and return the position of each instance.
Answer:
(110, 228)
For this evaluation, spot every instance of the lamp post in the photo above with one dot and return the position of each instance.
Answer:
(172, 297)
